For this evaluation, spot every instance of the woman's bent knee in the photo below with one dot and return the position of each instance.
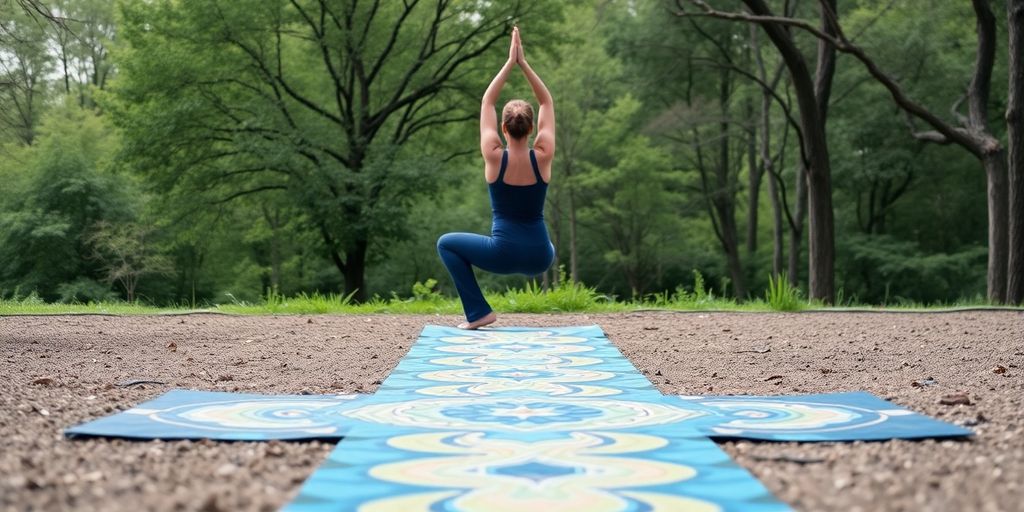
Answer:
(444, 241)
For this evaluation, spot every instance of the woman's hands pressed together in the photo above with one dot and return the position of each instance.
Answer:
(517, 43)
(515, 49)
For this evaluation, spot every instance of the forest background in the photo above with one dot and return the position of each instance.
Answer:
(210, 151)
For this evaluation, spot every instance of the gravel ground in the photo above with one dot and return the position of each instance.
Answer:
(61, 370)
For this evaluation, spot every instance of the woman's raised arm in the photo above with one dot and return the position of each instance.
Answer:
(544, 143)
(490, 141)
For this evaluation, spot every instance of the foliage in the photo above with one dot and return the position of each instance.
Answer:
(85, 290)
(127, 253)
(426, 291)
(288, 98)
(564, 297)
(214, 155)
(63, 190)
(633, 209)
(781, 295)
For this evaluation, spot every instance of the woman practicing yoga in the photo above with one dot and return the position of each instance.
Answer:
(517, 177)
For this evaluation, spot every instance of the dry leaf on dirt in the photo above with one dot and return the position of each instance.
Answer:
(958, 398)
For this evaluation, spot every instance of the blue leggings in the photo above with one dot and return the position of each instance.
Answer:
(459, 251)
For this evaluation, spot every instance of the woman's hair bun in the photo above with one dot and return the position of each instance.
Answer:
(517, 118)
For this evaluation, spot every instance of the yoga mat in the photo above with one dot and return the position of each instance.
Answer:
(515, 419)
(520, 420)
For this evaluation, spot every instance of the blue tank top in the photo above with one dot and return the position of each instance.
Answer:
(518, 210)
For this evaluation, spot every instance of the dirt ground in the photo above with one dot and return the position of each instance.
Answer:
(58, 371)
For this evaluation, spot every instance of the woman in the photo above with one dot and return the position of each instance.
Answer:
(517, 177)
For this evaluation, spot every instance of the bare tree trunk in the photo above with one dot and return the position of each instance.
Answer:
(988, 151)
(796, 230)
(1015, 138)
(773, 191)
(129, 288)
(754, 174)
(810, 93)
(821, 223)
(573, 273)
(820, 243)
(355, 271)
(765, 149)
(998, 239)
(777, 227)
(724, 195)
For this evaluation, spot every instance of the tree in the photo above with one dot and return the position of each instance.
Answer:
(767, 163)
(1015, 136)
(812, 96)
(587, 83)
(971, 132)
(81, 42)
(317, 99)
(66, 187)
(24, 64)
(127, 253)
(704, 116)
(631, 210)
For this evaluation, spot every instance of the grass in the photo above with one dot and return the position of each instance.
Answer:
(564, 298)
(783, 296)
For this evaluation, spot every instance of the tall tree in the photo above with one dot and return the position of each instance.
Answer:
(633, 204)
(704, 118)
(587, 83)
(24, 65)
(82, 44)
(767, 163)
(812, 95)
(971, 132)
(312, 97)
(1015, 136)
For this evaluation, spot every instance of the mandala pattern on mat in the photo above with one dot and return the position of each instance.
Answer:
(521, 414)
(310, 416)
(540, 362)
(579, 472)
(524, 420)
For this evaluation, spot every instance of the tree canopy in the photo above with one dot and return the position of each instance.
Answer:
(202, 150)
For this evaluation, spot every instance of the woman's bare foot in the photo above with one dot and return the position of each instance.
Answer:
(487, 319)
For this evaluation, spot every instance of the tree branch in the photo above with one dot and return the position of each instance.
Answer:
(250, 191)
(970, 141)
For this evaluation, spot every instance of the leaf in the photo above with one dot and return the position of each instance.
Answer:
(958, 398)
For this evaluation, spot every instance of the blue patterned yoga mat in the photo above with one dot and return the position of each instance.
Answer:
(522, 419)
(525, 420)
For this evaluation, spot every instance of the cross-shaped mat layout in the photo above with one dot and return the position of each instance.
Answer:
(522, 419)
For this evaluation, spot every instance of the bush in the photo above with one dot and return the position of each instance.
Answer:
(426, 291)
(84, 290)
(781, 295)
(565, 296)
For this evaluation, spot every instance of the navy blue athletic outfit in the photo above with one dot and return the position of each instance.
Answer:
(518, 244)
